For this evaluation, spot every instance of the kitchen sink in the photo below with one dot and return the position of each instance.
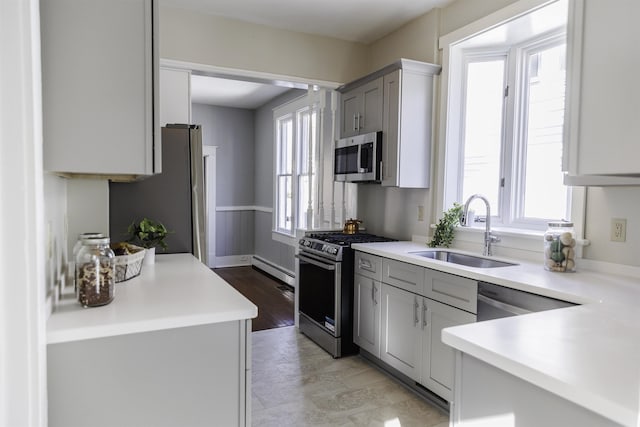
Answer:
(462, 259)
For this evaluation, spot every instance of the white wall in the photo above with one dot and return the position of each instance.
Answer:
(603, 204)
(57, 253)
(205, 39)
(87, 208)
(23, 391)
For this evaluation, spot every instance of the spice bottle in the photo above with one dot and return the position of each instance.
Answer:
(95, 272)
(559, 247)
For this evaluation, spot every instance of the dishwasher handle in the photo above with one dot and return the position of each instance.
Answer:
(502, 305)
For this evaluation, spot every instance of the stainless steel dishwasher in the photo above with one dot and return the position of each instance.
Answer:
(496, 301)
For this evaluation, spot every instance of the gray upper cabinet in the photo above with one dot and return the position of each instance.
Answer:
(361, 109)
(397, 100)
(100, 87)
(406, 127)
(601, 145)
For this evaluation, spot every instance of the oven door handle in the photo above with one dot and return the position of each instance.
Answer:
(315, 262)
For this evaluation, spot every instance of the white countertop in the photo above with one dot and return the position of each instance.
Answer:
(588, 354)
(176, 291)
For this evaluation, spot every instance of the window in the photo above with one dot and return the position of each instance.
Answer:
(296, 148)
(505, 115)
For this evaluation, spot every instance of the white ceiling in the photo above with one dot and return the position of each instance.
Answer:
(352, 20)
(232, 93)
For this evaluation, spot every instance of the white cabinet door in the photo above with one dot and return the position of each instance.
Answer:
(349, 110)
(175, 96)
(604, 108)
(368, 265)
(456, 291)
(371, 109)
(99, 76)
(406, 127)
(438, 358)
(401, 335)
(361, 109)
(403, 275)
(366, 316)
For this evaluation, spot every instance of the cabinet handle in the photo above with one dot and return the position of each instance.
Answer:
(415, 311)
(375, 291)
(425, 314)
(360, 126)
(362, 263)
(355, 126)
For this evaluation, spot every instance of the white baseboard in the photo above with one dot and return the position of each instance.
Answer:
(280, 273)
(233, 261)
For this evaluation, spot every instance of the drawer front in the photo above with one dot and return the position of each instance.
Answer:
(402, 275)
(453, 290)
(368, 265)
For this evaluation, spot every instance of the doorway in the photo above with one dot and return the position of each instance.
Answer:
(209, 154)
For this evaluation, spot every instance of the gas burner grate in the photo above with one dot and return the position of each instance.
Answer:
(344, 239)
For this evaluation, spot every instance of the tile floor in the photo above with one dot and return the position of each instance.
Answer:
(296, 383)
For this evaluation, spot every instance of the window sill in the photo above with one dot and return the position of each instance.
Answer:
(285, 238)
(514, 243)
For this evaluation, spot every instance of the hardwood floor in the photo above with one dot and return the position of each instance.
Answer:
(274, 299)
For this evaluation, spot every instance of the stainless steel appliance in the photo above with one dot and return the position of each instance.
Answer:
(325, 288)
(175, 197)
(358, 158)
(495, 302)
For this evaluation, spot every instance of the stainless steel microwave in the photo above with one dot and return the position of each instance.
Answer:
(358, 158)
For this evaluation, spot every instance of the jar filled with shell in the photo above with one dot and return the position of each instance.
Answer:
(95, 272)
(559, 247)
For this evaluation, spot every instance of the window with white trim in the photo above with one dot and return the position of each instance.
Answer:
(505, 116)
(296, 153)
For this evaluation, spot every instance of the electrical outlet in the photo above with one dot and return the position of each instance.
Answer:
(618, 229)
(420, 213)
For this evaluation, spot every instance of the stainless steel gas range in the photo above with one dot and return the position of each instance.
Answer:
(325, 288)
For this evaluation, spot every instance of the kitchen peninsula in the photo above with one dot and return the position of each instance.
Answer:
(173, 348)
(579, 365)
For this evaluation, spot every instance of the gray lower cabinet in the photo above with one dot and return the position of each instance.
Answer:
(190, 376)
(439, 359)
(366, 325)
(486, 396)
(402, 331)
(400, 321)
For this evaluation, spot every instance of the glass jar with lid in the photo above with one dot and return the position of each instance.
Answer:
(76, 248)
(559, 247)
(95, 272)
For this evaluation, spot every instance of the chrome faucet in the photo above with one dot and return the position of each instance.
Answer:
(488, 237)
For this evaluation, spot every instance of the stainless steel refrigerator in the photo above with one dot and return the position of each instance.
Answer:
(174, 197)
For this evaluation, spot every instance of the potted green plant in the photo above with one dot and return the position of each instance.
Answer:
(149, 234)
(445, 228)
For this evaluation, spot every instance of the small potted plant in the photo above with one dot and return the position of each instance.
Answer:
(446, 228)
(149, 234)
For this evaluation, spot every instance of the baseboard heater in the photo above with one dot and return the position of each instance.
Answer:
(276, 271)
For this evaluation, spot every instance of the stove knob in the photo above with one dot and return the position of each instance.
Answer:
(333, 251)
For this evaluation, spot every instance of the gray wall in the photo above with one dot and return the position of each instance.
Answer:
(232, 131)
(265, 247)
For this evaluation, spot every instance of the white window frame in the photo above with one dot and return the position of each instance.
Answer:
(290, 110)
(523, 243)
